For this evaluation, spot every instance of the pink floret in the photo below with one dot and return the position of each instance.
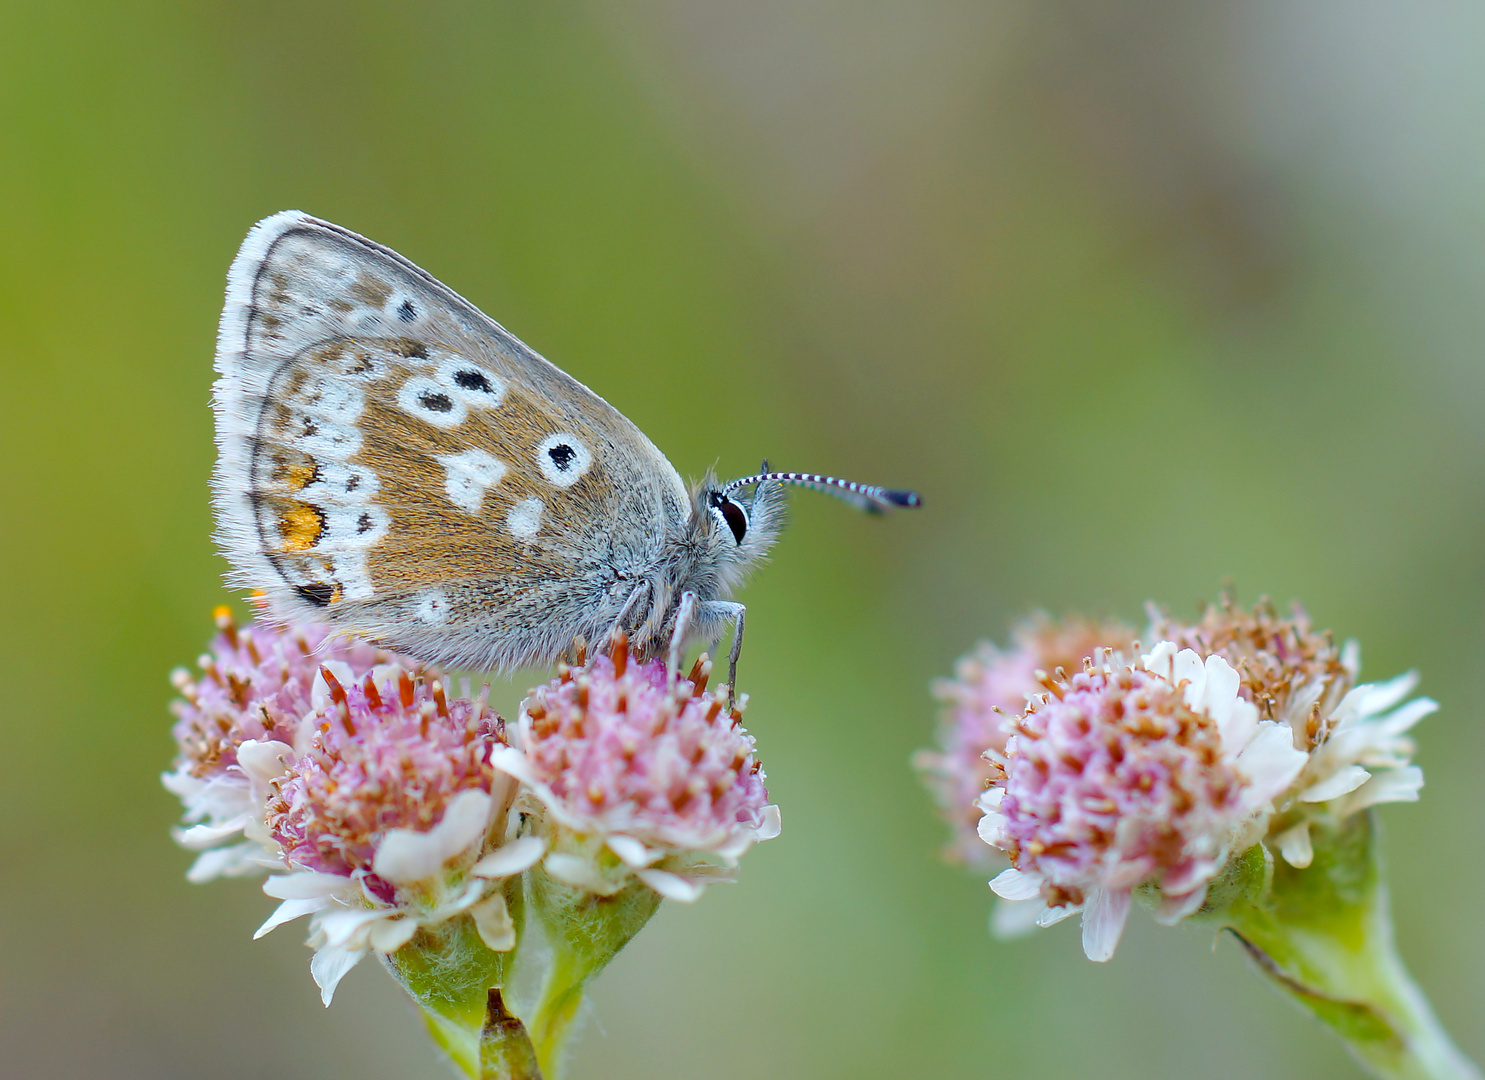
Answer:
(382, 758)
(1116, 783)
(629, 748)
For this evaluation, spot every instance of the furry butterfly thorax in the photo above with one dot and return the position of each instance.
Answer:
(393, 462)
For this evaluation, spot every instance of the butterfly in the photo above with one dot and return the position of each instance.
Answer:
(393, 462)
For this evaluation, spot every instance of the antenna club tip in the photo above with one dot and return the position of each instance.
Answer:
(908, 499)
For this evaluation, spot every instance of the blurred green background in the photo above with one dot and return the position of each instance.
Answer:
(1141, 296)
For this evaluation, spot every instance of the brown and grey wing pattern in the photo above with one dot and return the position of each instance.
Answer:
(394, 462)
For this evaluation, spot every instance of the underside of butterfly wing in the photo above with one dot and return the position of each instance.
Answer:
(395, 463)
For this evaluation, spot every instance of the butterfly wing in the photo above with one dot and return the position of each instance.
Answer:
(395, 463)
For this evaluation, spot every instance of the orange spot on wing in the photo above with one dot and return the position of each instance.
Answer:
(300, 526)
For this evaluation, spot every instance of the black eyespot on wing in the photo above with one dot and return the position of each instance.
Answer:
(473, 380)
(407, 313)
(435, 402)
(735, 516)
(319, 594)
(363, 524)
(562, 456)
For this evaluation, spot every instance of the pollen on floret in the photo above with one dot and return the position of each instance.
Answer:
(990, 687)
(392, 760)
(625, 746)
(255, 684)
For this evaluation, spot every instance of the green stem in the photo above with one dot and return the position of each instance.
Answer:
(585, 931)
(561, 998)
(1323, 935)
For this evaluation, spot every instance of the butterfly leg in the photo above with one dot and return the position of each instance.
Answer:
(683, 613)
(712, 613)
(628, 608)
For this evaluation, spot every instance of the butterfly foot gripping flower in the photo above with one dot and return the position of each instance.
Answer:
(1227, 775)
(647, 788)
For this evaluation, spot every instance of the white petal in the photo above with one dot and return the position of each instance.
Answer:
(238, 860)
(288, 911)
(1158, 660)
(329, 965)
(1239, 727)
(571, 869)
(991, 828)
(1104, 915)
(1172, 909)
(511, 761)
(304, 884)
(510, 859)
(352, 927)
(1407, 715)
(1053, 915)
(203, 836)
(1389, 785)
(264, 760)
(1270, 762)
(671, 886)
(1338, 783)
(990, 800)
(772, 823)
(319, 695)
(182, 783)
(1295, 846)
(389, 935)
(1012, 884)
(1187, 667)
(1011, 919)
(405, 856)
(493, 921)
(1219, 689)
(1382, 696)
(631, 851)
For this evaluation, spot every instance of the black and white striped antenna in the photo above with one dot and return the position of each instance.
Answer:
(867, 497)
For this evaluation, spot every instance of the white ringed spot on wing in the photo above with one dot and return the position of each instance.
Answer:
(431, 402)
(563, 459)
(432, 606)
(469, 475)
(474, 384)
(402, 309)
(524, 519)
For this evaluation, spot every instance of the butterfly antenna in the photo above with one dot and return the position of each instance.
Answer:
(863, 496)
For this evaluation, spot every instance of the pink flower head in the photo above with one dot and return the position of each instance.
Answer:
(255, 684)
(391, 751)
(630, 757)
(393, 820)
(989, 686)
(1124, 776)
(236, 728)
(1291, 671)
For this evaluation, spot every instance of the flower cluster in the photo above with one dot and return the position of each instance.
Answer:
(641, 773)
(1145, 775)
(990, 685)
(392, 813)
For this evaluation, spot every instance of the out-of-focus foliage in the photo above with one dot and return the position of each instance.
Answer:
(1140, 296)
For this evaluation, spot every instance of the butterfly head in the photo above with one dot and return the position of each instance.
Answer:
(741, 527)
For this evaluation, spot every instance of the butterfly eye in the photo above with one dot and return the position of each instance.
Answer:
(734, 515)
